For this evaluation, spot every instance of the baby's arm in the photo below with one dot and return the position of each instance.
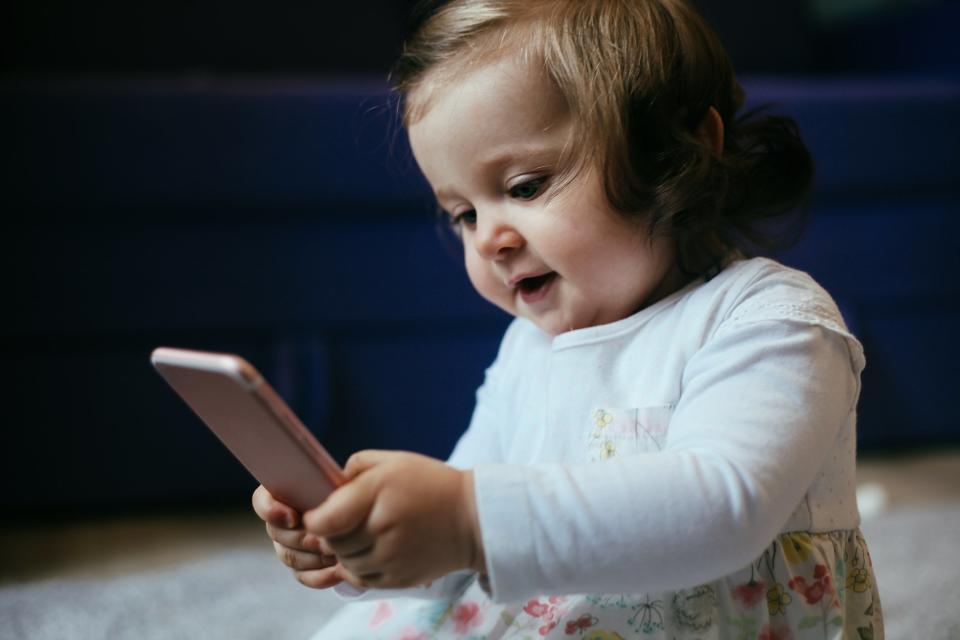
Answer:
(762, 408)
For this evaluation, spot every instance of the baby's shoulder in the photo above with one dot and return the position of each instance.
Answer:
(761, 289)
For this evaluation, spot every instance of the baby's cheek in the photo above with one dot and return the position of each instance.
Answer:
(487, 284)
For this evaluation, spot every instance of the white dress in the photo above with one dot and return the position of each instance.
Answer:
(687, 472)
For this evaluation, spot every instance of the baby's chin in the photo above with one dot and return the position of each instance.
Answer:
(555, 324)
(553, 327)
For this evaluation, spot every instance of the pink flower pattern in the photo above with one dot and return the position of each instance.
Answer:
(465, 616)
(381, 614)
(547, 610)
(814, 592)
(581, 624)
(749, 593)
(816, 602)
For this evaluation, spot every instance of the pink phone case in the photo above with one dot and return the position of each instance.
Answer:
(255, 424)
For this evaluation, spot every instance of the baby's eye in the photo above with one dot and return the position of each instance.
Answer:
(467, 218)
(528, 190)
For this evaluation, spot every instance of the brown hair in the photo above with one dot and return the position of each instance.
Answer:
(638, 76)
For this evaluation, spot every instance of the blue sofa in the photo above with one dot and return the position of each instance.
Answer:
(285, 221)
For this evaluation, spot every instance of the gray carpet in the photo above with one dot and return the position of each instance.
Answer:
(245, 593)
(237, 594)
(916, 555)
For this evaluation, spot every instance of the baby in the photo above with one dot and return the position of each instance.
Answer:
(664, 446)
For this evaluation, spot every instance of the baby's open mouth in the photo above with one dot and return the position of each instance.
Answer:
(529, 285)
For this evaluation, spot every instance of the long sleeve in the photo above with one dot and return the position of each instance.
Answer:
(761, 403)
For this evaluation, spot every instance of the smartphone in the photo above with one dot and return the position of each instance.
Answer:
(254, 423)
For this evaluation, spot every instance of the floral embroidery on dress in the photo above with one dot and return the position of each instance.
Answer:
(602, 419)
(548, 611)
(581, 624)
(816, 568)
(694, 608)
(466, 616)
(797, 547)
(648, 617)
(605, 429)
(647, 613)
(750, 593)
(616, 432)
(777, 600)
(804, 586)
(816, 590)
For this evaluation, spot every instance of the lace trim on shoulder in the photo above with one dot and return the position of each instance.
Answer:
(812, 310)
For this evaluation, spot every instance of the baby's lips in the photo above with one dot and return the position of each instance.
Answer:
(515, 280)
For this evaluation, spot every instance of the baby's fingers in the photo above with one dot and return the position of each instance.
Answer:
(298, 539)
(303, 560)
(274, 512)
(319, 578)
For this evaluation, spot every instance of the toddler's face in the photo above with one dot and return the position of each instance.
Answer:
(489, 142)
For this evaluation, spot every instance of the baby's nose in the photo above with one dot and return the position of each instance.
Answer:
(497, 239)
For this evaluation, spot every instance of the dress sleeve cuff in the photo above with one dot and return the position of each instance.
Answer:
(448, 587)
(347, 591)
(505, 520)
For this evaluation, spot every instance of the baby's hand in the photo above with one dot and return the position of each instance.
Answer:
(313, 564)
(402, 520)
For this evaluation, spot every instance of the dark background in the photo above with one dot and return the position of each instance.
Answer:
(228, 176)
(246, 36)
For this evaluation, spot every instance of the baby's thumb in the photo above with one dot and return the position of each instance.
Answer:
(342, 512)
(363, 460)
(274, 512)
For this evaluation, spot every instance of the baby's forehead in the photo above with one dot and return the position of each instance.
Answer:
(509, 74)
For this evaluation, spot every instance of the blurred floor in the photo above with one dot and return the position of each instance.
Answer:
(129, 544)
(914, 480)
(111, 546)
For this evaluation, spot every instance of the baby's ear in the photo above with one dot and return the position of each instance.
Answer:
(711, 130)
